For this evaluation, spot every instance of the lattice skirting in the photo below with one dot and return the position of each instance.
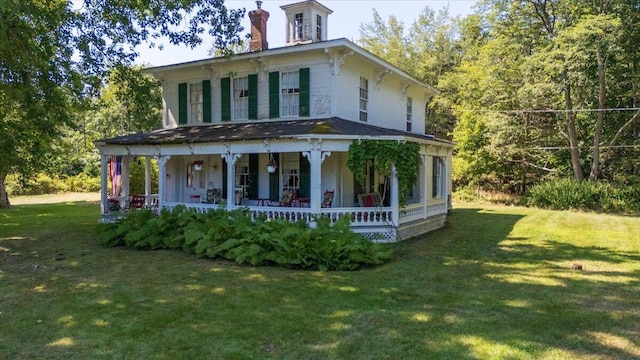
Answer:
(381, 234)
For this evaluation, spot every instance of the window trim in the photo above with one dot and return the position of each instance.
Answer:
(191, 119)
(298, 26)
(409, 113)
(235, 101)
(319, 27)
(288, 90)
(363, 99)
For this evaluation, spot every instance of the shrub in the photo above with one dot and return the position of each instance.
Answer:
(45, 184)
(236, 236)
(584, 195)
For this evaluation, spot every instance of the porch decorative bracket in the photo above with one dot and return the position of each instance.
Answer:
(324, 155)
(162, 159)
(316, 144)
(307, 154)
(336, 59)
(231, 158)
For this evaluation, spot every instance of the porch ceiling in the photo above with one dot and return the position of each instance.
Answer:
(258, 130)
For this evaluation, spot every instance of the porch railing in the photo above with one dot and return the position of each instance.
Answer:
(360, 216)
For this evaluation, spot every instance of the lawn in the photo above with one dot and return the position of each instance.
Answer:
(496, 283)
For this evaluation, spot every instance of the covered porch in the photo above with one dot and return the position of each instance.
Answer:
(280, 176)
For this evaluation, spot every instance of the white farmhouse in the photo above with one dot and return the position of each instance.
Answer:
(270, 130)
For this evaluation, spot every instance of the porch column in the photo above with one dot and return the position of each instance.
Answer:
(315, 190)
(126, 160)
(424, 189)
(162, 179)
(104, 206)
(395, 196)
(147, 179)
(231, 174)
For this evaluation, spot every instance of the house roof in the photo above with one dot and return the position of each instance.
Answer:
(329, 128)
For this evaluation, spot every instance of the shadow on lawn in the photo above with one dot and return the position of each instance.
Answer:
(468, 291)
(523, 298)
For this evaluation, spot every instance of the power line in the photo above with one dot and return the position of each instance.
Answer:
(552, 111)
(571, 147)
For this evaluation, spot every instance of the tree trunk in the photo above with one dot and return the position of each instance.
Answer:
(572, 133)
(4, 197)
(597, 135)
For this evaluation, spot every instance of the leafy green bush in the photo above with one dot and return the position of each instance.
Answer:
(46, 184)
(236, 236)
(584, 195)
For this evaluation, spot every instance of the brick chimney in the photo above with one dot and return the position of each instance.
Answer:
(259, 19)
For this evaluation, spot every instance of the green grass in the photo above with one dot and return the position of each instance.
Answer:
(496, 283)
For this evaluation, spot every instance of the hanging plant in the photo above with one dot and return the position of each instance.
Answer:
(405, 156)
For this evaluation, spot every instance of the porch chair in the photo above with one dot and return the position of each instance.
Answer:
(287, 196)
(137, 202)
(328, 199)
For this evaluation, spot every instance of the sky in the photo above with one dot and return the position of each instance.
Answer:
(344, 22)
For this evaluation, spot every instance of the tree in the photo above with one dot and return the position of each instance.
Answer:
(427, 51)
(53, 58)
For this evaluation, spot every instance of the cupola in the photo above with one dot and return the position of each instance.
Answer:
(306, 22)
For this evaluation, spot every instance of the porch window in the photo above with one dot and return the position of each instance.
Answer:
(242, 178)
(195, 102)
(291, 172)
(409, 113)
(368, 186)
(241, 98)
(297, 26)
(438, 179)
(195, 179)
(364, 98)
(290, 93)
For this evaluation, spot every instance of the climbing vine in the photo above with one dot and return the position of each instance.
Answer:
(404, 155)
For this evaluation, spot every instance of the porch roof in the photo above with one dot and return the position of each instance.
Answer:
(335, 128)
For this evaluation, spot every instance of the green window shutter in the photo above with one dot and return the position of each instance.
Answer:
(182, 103)
(254, 170)
(206, 101)
(224, 178)
(304, 92)
(305, 177)
(274, 181)
(225, 98)
(253, 96)
(274, 95)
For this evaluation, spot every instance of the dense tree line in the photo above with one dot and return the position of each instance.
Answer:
(530, 90)
(56, 54)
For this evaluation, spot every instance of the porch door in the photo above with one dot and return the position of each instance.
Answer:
(195, 184)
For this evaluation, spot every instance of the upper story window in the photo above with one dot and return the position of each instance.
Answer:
(409, 113)
(290, 93)
(195, 102)
(297, 26)
(364, 98)
(241, 98)
(318, 27)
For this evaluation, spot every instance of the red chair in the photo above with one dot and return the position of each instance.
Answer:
(137, 202)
